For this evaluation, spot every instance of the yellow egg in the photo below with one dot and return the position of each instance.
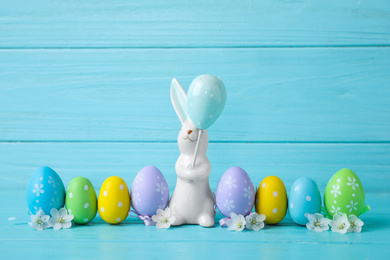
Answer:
(271, 199)
(114, 200)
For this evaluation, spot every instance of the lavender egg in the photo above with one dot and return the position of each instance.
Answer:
(149, 191)
(235, 192)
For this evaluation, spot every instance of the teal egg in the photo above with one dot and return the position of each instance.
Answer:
(45, 190)
(206, 100)
(305, 199)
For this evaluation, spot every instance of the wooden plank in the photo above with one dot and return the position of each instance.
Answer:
(298, 95)
(131, 238)
(98, 161)
(76, 23)
(107, 248)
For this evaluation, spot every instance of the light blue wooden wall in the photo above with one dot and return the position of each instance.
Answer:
(84, 88)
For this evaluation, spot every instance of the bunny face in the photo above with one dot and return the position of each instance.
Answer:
(188, 136)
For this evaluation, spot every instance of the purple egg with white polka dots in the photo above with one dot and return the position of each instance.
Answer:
(149, 191)
(235, 192)
(304, 199)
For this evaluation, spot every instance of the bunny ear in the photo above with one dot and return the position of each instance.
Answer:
(179, 100)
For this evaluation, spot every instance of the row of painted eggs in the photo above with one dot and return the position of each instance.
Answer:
(344, 193)
(235, 193)
(149, 192)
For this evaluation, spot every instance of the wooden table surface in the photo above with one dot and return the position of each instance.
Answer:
(84, 89)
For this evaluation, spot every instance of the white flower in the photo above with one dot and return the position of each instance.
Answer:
(335, 190)
(255, 221)
(340, 224)
(355, 224)
(38, 189)
(39, 221)
(229, 204)
(352, 206)
(248, 192)
(60, 219)
(231, 183)
(164, 218)
(335, 210)
(317, 222)
(352, 182)
(52, 181)
(236, 222)
(160, 188)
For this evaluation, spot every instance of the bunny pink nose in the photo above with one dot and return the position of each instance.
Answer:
(189, 131)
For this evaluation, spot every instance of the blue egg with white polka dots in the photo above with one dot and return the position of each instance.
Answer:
(305, 199)
(45, 191)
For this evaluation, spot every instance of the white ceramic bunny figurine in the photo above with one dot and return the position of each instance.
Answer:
(192, 201)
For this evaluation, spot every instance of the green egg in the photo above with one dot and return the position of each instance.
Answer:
(81, 200)
(344, 194)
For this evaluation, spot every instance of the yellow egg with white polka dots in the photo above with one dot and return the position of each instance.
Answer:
(271, 199)
(114, 200)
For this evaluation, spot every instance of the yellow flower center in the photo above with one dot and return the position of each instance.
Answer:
(165, 220)
(239, 224)
(317, 223)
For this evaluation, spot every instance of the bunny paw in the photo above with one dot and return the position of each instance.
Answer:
(206, 221)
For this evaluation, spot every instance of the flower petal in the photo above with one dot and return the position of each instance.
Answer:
(310, 226)
(325, 221)
(63, 212)
(261, 218)
(172, 219)
(253, 227)
(317, 229)
(359, 223)
(160, 212)
(45, 218)
(157, 218)
(57, 226)
(40, 213)
(39, 227)
(166, 225)
(311, 217)
(68, 217)
(33, 224)
(242, 219)
(261, 226)
(66, 224)
(167, 212)
(233, 215)
(54, 213)
(52, 222)
(231, 223)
